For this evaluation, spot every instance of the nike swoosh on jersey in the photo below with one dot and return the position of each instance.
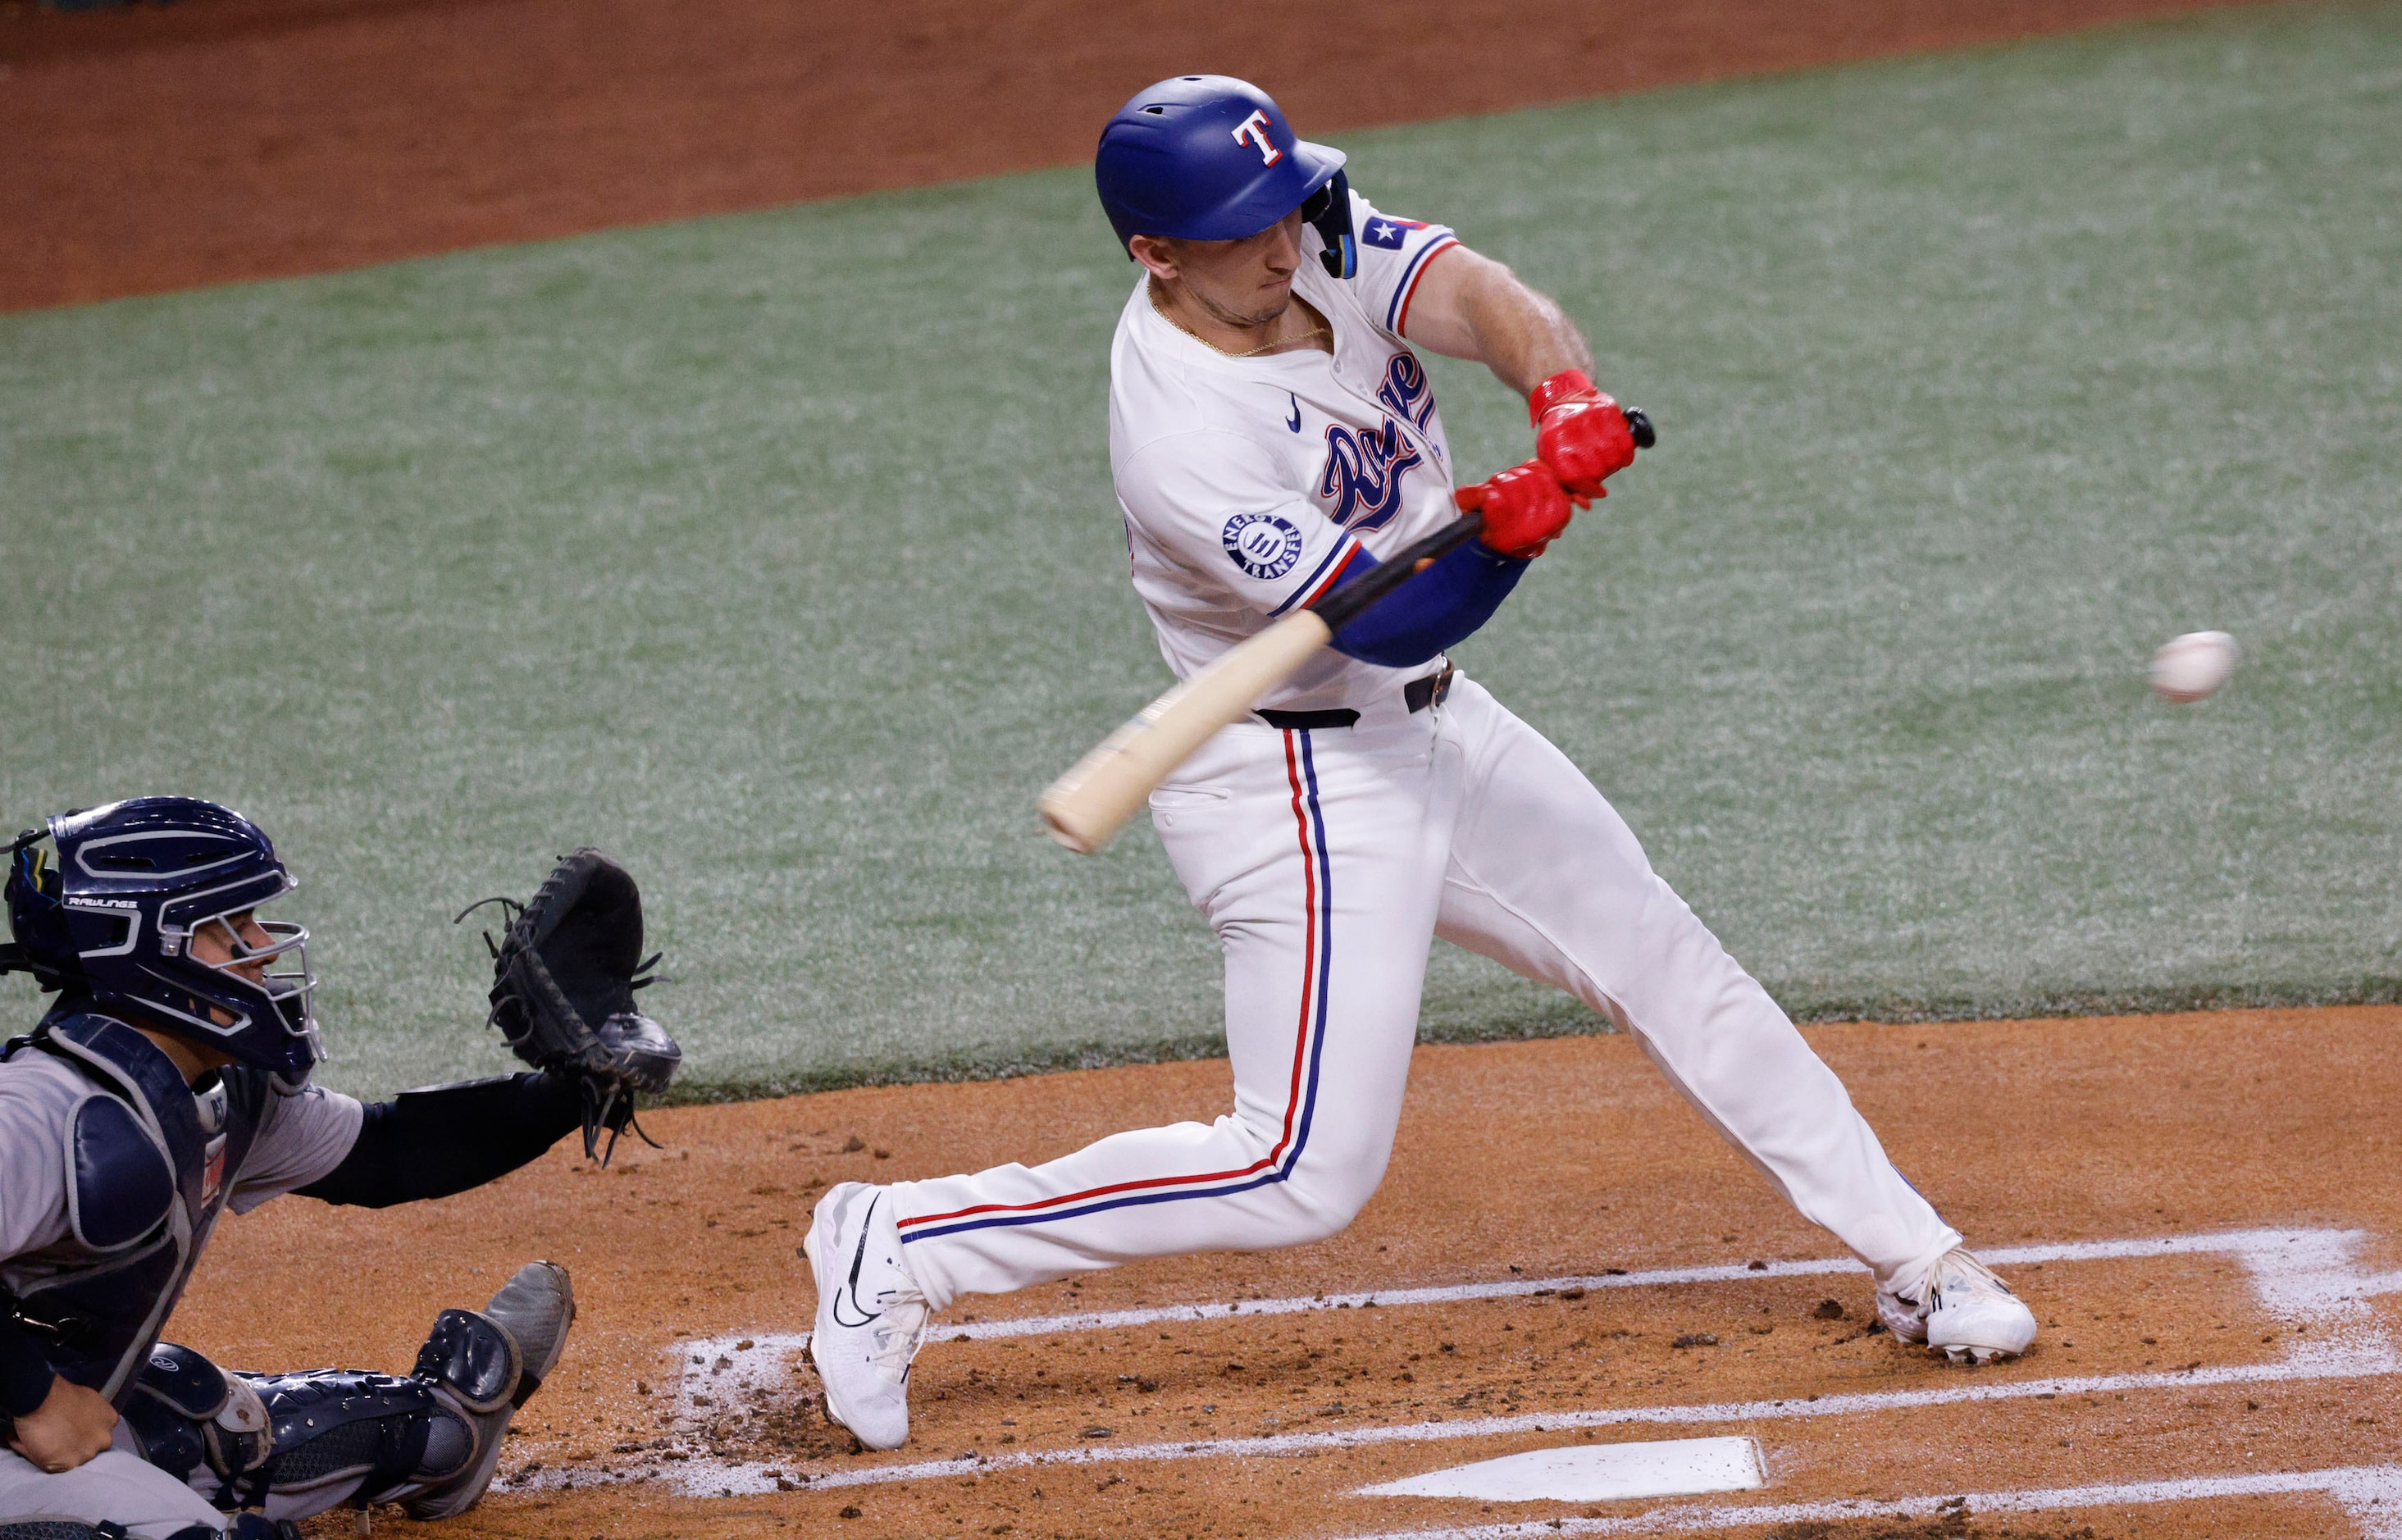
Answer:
(1293, 421)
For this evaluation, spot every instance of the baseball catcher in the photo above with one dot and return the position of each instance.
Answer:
(168, 1082)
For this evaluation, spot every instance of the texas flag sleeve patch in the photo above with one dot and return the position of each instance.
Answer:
(1387, 232)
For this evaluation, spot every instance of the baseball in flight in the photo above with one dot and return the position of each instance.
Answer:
(2192, 666)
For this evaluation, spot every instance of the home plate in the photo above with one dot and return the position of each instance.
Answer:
(1595, 1473)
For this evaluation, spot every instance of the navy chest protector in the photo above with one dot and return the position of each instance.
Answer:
(146, 1181)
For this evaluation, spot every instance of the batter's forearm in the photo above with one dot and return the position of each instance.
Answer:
(1523, 336)
(1473, 307)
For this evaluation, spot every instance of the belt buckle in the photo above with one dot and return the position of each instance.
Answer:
(1420, 693)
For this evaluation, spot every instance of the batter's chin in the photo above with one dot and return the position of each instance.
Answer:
(1228, 316)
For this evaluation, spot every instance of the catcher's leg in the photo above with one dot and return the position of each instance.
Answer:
(118, 1488)
(292, 1445)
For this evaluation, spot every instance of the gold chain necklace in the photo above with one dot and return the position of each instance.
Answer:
(1281, 342)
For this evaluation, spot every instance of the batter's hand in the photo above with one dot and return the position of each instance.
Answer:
(74, 1425)
(1579, 433)
(1524, 509)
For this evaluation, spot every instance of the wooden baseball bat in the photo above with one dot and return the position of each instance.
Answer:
(1086, 808)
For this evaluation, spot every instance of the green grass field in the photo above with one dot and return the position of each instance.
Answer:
(777, 555)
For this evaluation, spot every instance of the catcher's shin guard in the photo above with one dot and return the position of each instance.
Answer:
(485, 1365)
(348, 1435)
(298, 1444)
(304, 1442)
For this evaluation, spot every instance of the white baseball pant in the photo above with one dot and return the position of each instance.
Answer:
(1327, 859)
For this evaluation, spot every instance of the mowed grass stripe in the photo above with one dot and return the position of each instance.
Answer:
(777, 555)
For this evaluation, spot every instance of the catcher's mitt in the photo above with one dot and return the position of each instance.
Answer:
(563, 982)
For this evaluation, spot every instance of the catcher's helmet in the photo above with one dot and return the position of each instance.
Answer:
(107, 906)
(1211, 157)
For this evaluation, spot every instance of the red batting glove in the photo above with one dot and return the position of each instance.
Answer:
(1579, 433)
(1524, 509)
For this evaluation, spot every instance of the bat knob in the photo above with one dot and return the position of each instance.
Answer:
(1639, 424)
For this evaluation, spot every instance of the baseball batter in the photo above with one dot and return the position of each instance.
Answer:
(1272, 432)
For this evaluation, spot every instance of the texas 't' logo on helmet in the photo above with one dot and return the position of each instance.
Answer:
(1254, 131)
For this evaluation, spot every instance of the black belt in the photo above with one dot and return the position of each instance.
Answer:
(1417, 695)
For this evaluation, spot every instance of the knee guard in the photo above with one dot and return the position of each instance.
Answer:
(472, 1365)
(431, 1439)
(189, 1416)
(474, 1358)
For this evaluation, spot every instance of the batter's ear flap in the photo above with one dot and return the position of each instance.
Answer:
(1328, 208)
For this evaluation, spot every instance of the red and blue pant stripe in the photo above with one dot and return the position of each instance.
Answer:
(1318, 953)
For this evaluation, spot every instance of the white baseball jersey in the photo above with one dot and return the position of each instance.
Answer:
(1248, 482)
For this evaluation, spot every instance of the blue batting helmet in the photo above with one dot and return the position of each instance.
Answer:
(1211, 157)
(110, 910)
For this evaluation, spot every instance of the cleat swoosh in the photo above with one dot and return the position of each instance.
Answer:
(858, 1259)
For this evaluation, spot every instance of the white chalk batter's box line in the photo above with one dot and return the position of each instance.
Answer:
(2371, 1494)
(2303, 1278)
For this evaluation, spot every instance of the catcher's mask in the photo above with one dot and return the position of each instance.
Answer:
(107, 903)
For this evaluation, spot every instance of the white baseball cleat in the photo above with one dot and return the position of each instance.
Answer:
(1961, 1311)
(871, 1318)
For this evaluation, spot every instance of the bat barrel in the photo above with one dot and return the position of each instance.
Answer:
(1084, 808)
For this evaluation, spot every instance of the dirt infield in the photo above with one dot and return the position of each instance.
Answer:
(2201, 1208)
(218, 140)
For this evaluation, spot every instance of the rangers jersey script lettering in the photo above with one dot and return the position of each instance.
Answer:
(1362, 478)
(1363, 475)
(1253, 131)
(1261, 544)
(1405, 391)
